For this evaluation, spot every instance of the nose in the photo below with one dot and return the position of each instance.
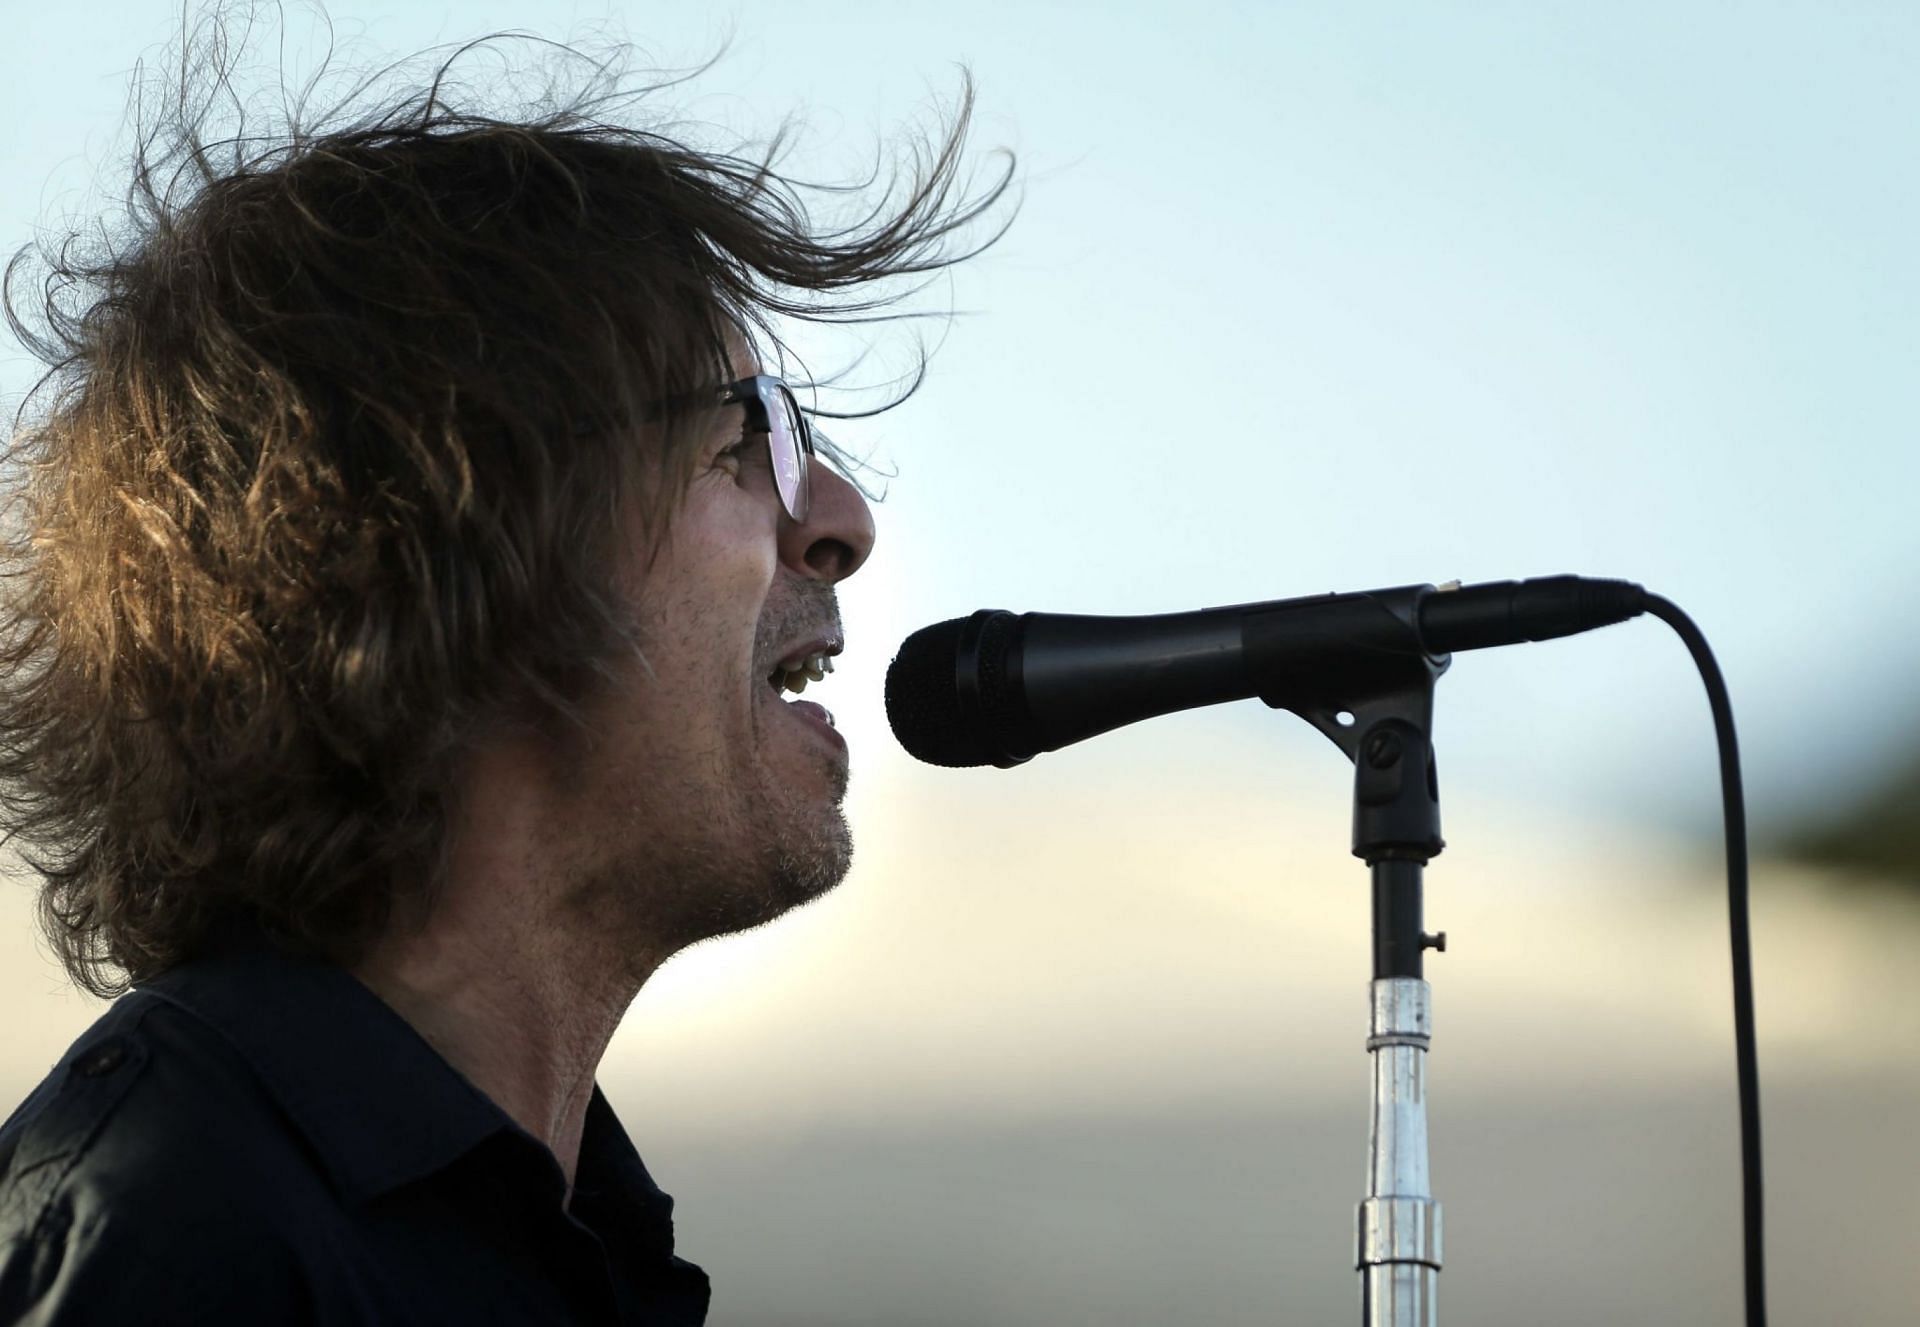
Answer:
(837, 535)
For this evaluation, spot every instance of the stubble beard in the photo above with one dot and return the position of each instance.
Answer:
(661, 894)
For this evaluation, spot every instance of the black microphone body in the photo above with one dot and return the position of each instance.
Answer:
(998, 688)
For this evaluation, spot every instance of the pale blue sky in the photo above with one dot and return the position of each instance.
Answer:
(1302, 298)
(1329, 296)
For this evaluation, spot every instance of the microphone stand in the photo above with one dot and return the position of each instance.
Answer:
(1381, 716)
(1399, 1236)
(1358, 668)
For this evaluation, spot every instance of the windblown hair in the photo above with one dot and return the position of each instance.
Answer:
(331, 468)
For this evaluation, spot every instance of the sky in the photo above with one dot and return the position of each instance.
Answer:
(1304, 298)
(1299, 298)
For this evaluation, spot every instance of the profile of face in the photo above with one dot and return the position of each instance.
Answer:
(707, 801)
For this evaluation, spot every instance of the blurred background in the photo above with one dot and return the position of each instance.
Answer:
(1300, 297)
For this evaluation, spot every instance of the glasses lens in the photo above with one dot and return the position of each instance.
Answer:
(787, 434)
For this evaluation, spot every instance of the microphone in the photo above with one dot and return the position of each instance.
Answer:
(997, 688)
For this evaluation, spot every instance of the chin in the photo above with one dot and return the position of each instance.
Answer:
(790, 874)
(801, 873)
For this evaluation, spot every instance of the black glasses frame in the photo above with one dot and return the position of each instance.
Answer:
(773, 409)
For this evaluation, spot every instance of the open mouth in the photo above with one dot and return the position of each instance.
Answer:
(793, 675)
(809, 663)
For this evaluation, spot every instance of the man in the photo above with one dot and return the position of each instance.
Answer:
(416, 549)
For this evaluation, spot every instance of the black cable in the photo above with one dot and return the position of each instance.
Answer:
(1740, 936)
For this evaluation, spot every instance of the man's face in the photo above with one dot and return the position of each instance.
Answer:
(709, 802)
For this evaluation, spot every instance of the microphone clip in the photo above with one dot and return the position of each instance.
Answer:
(1354, 666)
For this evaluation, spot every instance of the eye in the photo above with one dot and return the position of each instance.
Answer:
(736, 435)
(741, 450)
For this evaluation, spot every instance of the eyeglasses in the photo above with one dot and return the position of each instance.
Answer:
(772, 409)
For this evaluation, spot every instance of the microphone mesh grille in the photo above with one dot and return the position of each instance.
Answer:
(923, 698)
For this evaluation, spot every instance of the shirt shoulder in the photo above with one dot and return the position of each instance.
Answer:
(148, 1179)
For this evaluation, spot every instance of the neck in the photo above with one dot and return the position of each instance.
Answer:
(508, 975)
(525, 1023)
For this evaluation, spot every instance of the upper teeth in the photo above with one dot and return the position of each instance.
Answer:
(794, 677)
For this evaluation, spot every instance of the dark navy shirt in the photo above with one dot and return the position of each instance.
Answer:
(253, 1138)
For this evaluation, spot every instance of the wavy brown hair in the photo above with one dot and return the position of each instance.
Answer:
(328, 473)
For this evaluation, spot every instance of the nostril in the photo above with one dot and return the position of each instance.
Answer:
(831, 557)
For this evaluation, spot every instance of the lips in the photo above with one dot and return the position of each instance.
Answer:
(805, 659)
(813, 710)
(818, 720)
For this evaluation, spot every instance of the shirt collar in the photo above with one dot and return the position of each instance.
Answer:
(378, 1103)
(612, 1190)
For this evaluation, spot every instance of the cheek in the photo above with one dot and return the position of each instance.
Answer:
(739, 557)
(724, 602)
(709, 589)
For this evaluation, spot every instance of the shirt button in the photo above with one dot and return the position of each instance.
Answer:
(101, 1060)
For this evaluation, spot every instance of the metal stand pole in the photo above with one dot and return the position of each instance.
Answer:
(1397, 829)
(1399, 1236)
(1376, 705)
